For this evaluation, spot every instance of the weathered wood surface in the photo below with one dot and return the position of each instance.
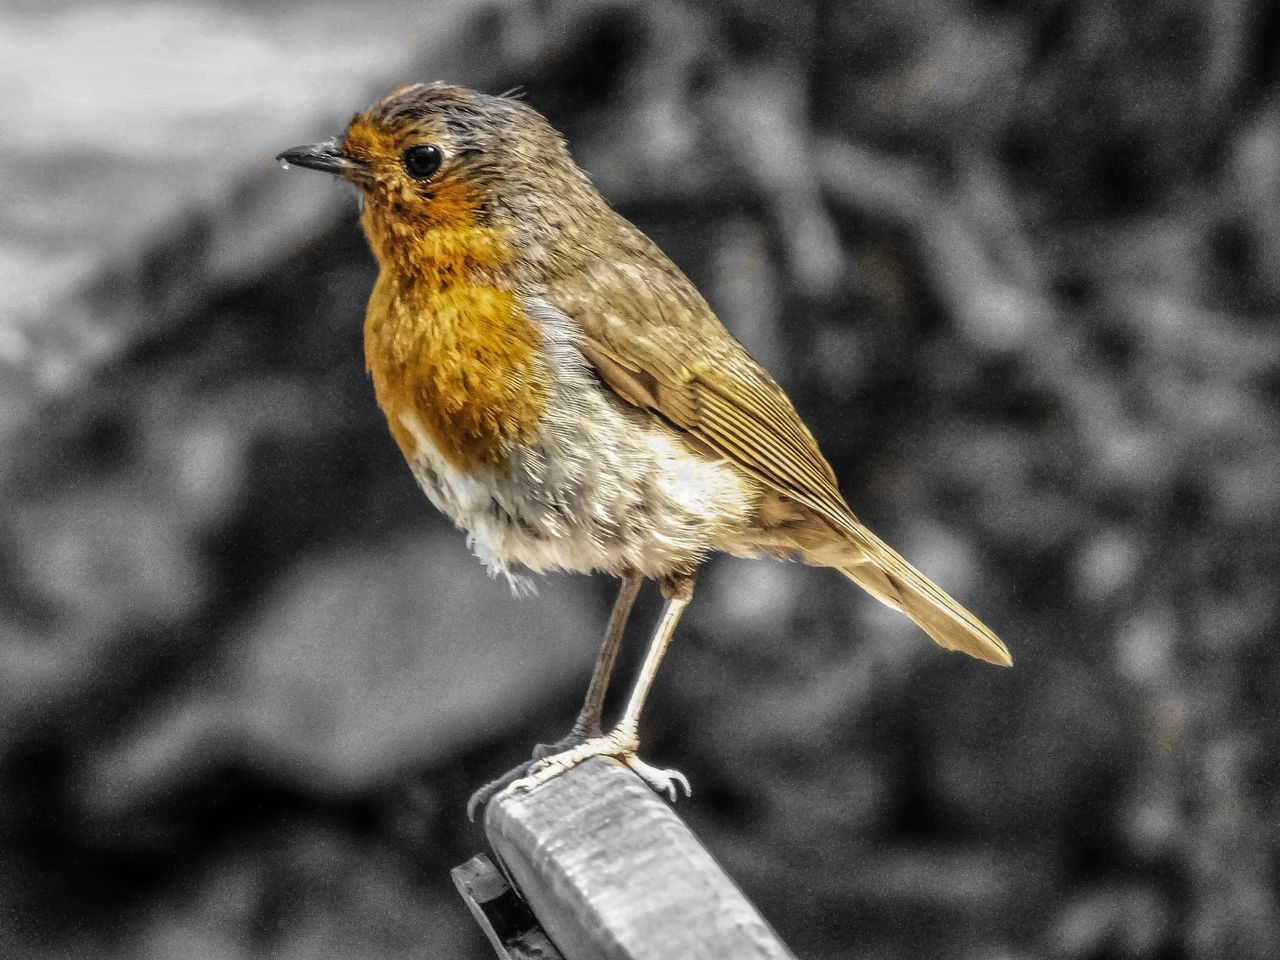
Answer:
(612, 873)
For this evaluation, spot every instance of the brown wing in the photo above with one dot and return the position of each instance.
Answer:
(656, 343)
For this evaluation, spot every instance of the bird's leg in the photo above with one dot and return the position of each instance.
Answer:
(623, 740)
(588, 723)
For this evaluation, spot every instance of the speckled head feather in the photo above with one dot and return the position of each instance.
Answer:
(502, 162)
(430, 101)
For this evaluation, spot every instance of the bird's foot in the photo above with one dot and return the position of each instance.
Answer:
(573, 738)
(617, 745)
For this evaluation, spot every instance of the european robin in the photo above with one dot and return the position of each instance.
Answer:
(562, 392)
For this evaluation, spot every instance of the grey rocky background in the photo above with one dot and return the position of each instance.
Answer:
(1017, 264)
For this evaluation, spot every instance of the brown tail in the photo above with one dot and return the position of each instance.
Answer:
(873, 565)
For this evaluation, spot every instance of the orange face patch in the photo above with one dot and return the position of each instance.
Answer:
(419, 227)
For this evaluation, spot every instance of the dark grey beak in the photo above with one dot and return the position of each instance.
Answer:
(325, 157)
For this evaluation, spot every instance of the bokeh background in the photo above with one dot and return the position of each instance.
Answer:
(1018, 265)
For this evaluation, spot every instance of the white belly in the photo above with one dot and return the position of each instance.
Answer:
(617, 499)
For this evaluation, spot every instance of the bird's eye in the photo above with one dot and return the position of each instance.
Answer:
(422, 160)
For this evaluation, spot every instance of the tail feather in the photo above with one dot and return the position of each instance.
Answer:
(873, 565)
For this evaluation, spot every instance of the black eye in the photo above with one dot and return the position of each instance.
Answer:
(422, 160)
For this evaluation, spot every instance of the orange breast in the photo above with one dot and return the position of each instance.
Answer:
(463, 360)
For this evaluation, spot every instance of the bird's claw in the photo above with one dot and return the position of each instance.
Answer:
(669, 783)
(494, 787)
(573, 738)
(541, 751)
(665, 781)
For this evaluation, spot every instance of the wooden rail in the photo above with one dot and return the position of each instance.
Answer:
(611, 873)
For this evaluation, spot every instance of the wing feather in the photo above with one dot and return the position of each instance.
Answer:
(654, 340)
(656, 343)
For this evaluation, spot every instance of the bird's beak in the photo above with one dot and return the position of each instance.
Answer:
(325, 157)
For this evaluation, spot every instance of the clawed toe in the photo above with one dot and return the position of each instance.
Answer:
(541, 751)
(670, 783)
(494, 787)
(563, 745)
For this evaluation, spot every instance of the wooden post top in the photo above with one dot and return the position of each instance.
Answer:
(612, 873)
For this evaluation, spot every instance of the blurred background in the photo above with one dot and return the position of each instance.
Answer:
(1018, 265)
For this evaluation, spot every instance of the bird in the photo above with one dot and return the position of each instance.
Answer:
(562, 392)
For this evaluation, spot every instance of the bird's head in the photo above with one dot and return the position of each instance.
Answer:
(433, 156)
